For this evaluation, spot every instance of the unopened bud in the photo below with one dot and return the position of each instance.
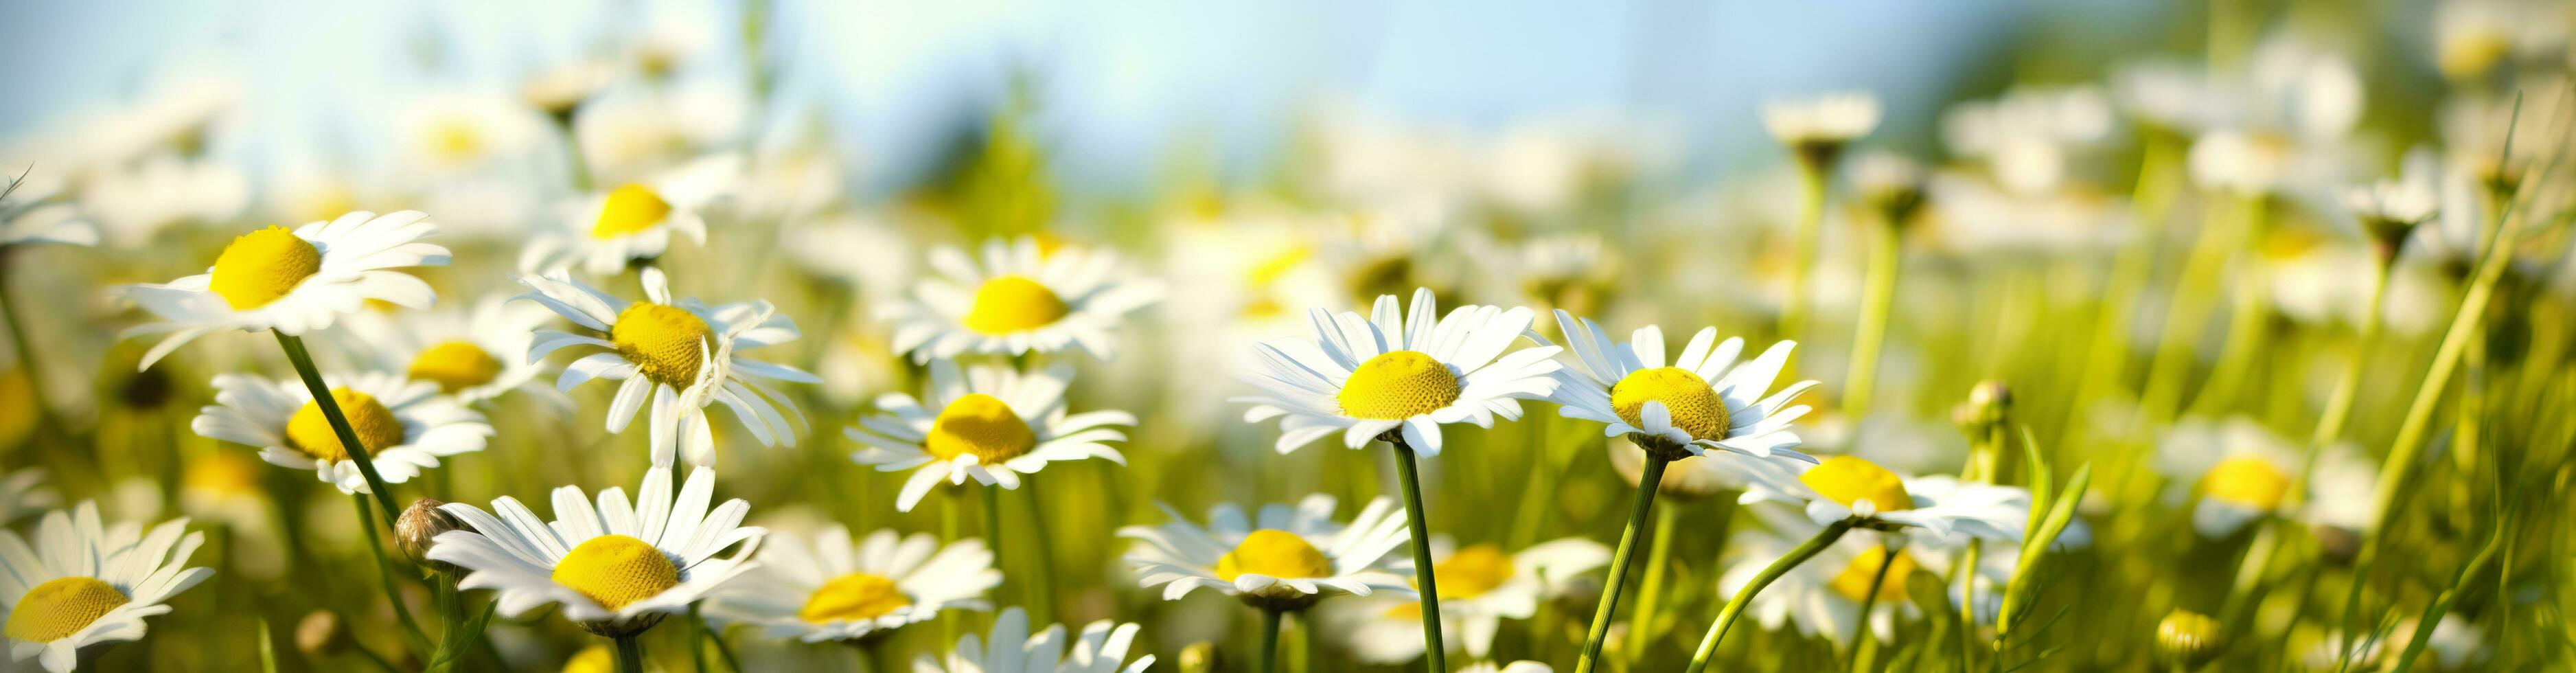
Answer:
(1988, 404)
(2188, 639)
(319, 634)
(418, 530)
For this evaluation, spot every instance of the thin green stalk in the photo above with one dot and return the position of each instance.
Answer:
(2441, 606)
(1650, 593)
(267, 648)
(1967, 614)
(2106, 360)
(1744, 597)
(1869, 336)
(385, 572)
(723, 651)
(340, 427)
(1861, 637)
(2245, 321)
(992, 495)
(1647, 484)
(2330, 424)
(1042, 586)
(1434, 650)
(1269, 641)
(630, 654)
(697, 630)
(1812, 181)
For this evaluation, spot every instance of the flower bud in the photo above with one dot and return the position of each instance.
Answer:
(1988, 404)
(418, 530)
(2188, 639)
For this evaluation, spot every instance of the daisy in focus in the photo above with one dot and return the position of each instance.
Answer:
(1022, 298)
(1704, 400)
(616, 569)
(1100, 648)
(1851, 488)
(406, 426)
(1285, 558)
(993, 423)
(635, 221)
(1480, 586)
(86, 583)
(294, 281)
(680, 354)
(837, 590)
(474, 355)
(1399, 374)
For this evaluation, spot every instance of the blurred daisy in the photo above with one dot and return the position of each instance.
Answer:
(473, 355)
(2243, 472)
(1847, 487)
(1704, 400)
(1818, 128)
(1480, 586)
(1100, 648)
(23, 493)
(1398, 371)
(86, 583)
(133, 203)
(1284, 559)
(2389, 210)
(2027, 135)
(993, 423)
(617, 569)
(1822, 596)
(635, 221)
(294, 281)
(836, 590)
(457, 132)
(406, 425)
(29, 213)
(1022, 298)
(679, 354)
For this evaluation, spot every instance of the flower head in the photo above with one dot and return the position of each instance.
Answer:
(1022, 298)
(1286, 558)
(680, 354)
(86, 583)
(1398, 371)
(838, 589)
(616, 568)
(406, 426)
(294, 281)
(1704, 399)
(991, 422)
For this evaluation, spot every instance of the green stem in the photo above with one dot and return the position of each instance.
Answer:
(1861, 637)
(1967, 614)
(340, 427)
(1650, 593)
(385, 573)
(1647, 484)
(2245, 322)
(1869, 336)
(992, 495)
(2441, 606)
(1744, 597)
(723, 651)
(1433, 649)
(630, 654)
(2106, 360)
(1812, 181)
(1269, 641)
(697, 630)
(1042, 586)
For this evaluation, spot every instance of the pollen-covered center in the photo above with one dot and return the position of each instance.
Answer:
(615, 570)
(1398, 384)
(61, 607)
(310, 432)
(1007, 304)
(666, 343)
(454, 366)
(982, 425)
(1853, 582)
(1693, 404)
(1849, 480)
(2247, 481)
(261, 266)
(1274, 553)
(1472, 571)
(629, 209)
(853, 597)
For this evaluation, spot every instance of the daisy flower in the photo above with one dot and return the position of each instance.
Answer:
(634, 221)
(617, 569)
(1818, 128)
(845, 591)
(1022, 298)
(472, 355)
(1849, 487)
(1100, 648)
(24, 493)
(294, 281)
(681, 354)
(1704, 400)
(994, 423)
(2242, 472)
(406, 426)
(1286, 558)
(86, 583)
(1398, 372)
(1480, 586)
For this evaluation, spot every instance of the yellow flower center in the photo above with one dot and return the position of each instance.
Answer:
(62, 607)
(982, 425)
(260, 266)
(310, 432)
(1853, 581)
(1472, 571)
(853, 597)
(1849, 480)
(1692, 403)
(2469, 55)
(665, 342)
(629, 209)
(456, 140)
(1275, 553)
(454, 366)
(1398, 384)
(1007, 304)
(615, 570)
(2251, 482)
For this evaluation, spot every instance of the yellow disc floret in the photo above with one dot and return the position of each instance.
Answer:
(853, 597)
(61, 607)
(629, 209)
(666, 343)
(1398, 384)
(1849, 480)
(309, 430)
(1472, 571)
(1692, 403)
(1007, 304)
(1853, 582)
(2247, 481)
(1275, 553)
(982, 425)
(454, 366)
(260, 266)
(615, 570)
